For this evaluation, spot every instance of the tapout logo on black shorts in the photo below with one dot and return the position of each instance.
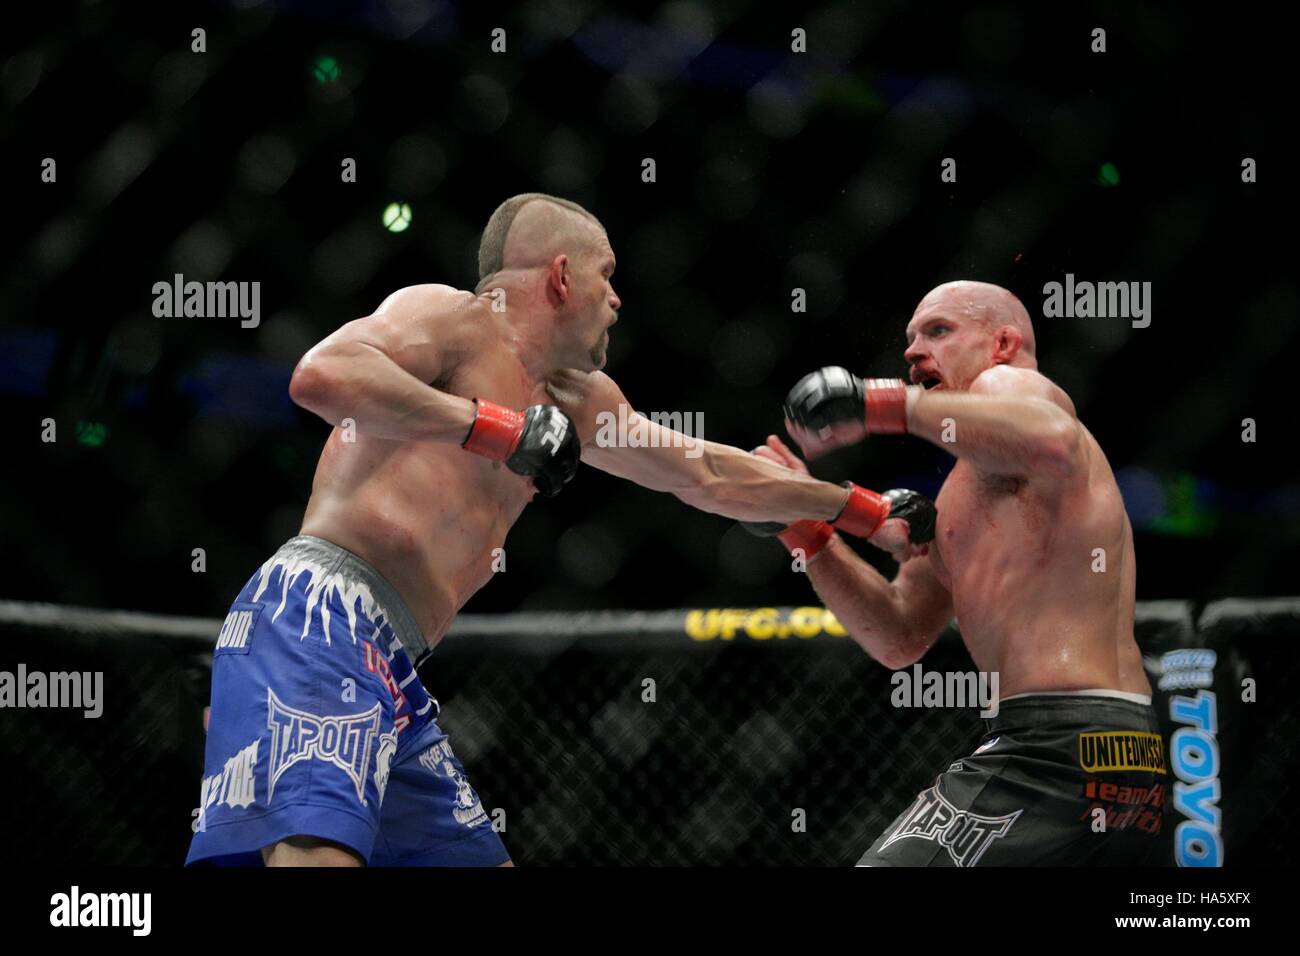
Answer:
(963, 834)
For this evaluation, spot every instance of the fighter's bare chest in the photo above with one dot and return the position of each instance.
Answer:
(972, 507)
(502, 380)
(497, 377)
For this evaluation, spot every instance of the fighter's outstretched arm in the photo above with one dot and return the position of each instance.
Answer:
(706, 475)
(719, 478)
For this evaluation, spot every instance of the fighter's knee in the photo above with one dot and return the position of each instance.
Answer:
(309, 851)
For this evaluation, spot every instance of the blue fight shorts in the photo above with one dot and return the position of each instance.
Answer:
(320, 726)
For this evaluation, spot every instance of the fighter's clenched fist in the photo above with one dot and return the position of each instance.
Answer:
(903, 521)
(832, 407)
(540, 442)
(915, 511)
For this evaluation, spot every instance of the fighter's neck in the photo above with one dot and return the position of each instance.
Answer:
(531, 345)
(527, 325)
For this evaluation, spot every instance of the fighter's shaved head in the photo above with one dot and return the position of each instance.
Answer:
(991, 305)
(530, 229)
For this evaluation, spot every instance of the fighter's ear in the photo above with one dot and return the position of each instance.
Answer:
(1006, 344)
(558, 278)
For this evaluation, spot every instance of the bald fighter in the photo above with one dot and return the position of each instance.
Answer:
(1071, 770)
(451, 410)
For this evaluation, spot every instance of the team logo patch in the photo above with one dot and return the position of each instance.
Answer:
(297, 735)
(467, 809)
(1121, 750)
(963, 834)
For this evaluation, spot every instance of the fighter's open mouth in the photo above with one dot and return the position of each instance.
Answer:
(930, 381)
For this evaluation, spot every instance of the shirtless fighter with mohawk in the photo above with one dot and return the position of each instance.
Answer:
(449, 415)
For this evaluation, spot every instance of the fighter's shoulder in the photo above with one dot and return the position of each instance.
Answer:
(434, 308)
(1028, 382)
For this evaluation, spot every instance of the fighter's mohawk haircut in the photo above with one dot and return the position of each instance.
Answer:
(492, 247)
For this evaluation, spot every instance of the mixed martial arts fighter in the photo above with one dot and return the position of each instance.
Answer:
(450, 413)
(1033, 555)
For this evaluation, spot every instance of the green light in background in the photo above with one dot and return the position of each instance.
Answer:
(1185, 515)
(851, 94)
(1108, 175)
(397, 217)
(91, 434)
(325, 69)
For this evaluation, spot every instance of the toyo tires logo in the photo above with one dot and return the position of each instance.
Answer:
(1194, 756)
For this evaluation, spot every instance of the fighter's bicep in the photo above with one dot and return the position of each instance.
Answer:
(1071, 455)
(594, 403)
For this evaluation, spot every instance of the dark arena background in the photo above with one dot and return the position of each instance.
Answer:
(781, 184)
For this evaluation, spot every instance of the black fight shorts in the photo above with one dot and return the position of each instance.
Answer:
(1058, 780)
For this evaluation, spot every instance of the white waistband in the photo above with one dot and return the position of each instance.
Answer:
(1118, 694)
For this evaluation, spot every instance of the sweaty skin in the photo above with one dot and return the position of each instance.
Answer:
(1016, 554)
(1026, 517)
(393, 484)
